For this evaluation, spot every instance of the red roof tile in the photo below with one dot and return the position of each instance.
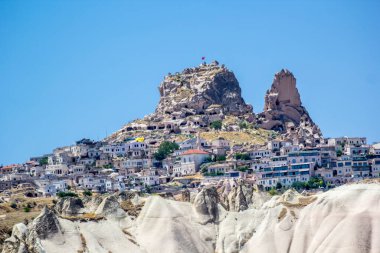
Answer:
(194, 152)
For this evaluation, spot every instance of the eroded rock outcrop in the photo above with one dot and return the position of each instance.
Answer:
(284, 112)
(110, 206)
(45, 225)
(206, 205)
(290, 222)
(70, 206)
(28, 239)
(207, 90)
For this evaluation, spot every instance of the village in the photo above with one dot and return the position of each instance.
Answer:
(167, 151)
(138, 165)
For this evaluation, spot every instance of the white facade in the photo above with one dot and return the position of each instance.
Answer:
(57, 169)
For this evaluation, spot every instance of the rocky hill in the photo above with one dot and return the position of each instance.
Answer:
(209, 89)
(232, 217)
(190, 101)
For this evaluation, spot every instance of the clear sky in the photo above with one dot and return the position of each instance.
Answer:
(73, 69)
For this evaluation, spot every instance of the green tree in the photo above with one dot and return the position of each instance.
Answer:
(243, 168)
(220, 158)
(87, 193)
(243, 124)
(217, 125)
(278, 186)
(241, 156)
(66, 194)
(208, 160)
(44, 161)
(165, 149)
(298, 185)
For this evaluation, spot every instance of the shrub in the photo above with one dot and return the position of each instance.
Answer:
(240, 156)
(298, 185)
(66, 194)
(208, 160)
(13, 205)
(243, 124)
(243, 168)
(220, 158)
(313, 183)
(27, 209)
(273, 191)
(87, 193)
(213, 174)
(278, 185)
(217, 125)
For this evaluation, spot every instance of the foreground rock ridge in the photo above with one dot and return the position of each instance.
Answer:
(232, 217)
(191, 100)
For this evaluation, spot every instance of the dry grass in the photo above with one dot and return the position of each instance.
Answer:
(247, 137)
(302, 202)
(84, 217)
(130, 208)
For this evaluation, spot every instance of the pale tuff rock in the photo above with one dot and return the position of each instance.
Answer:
(290, 222)
(28, 239)
(70, 206)
(17, 242)
(206, 205)
(207, 90)
(236, 195)
(45, 225)
(110, 206)
(283, 111)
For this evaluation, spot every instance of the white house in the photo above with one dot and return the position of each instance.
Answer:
(191, 161)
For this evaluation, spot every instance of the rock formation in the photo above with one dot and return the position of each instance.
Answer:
(28, 239)
(206, 205)
(290, 222)
(70, 206)
(209, 89)
(283, 111)
(194, 98)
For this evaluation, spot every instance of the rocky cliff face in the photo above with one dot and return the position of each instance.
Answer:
(209, 89)
(283, 111)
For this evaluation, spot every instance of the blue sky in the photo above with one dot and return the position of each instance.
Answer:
(73, 69)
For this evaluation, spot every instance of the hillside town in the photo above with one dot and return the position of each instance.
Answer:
(202, 132)
(137, 165)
